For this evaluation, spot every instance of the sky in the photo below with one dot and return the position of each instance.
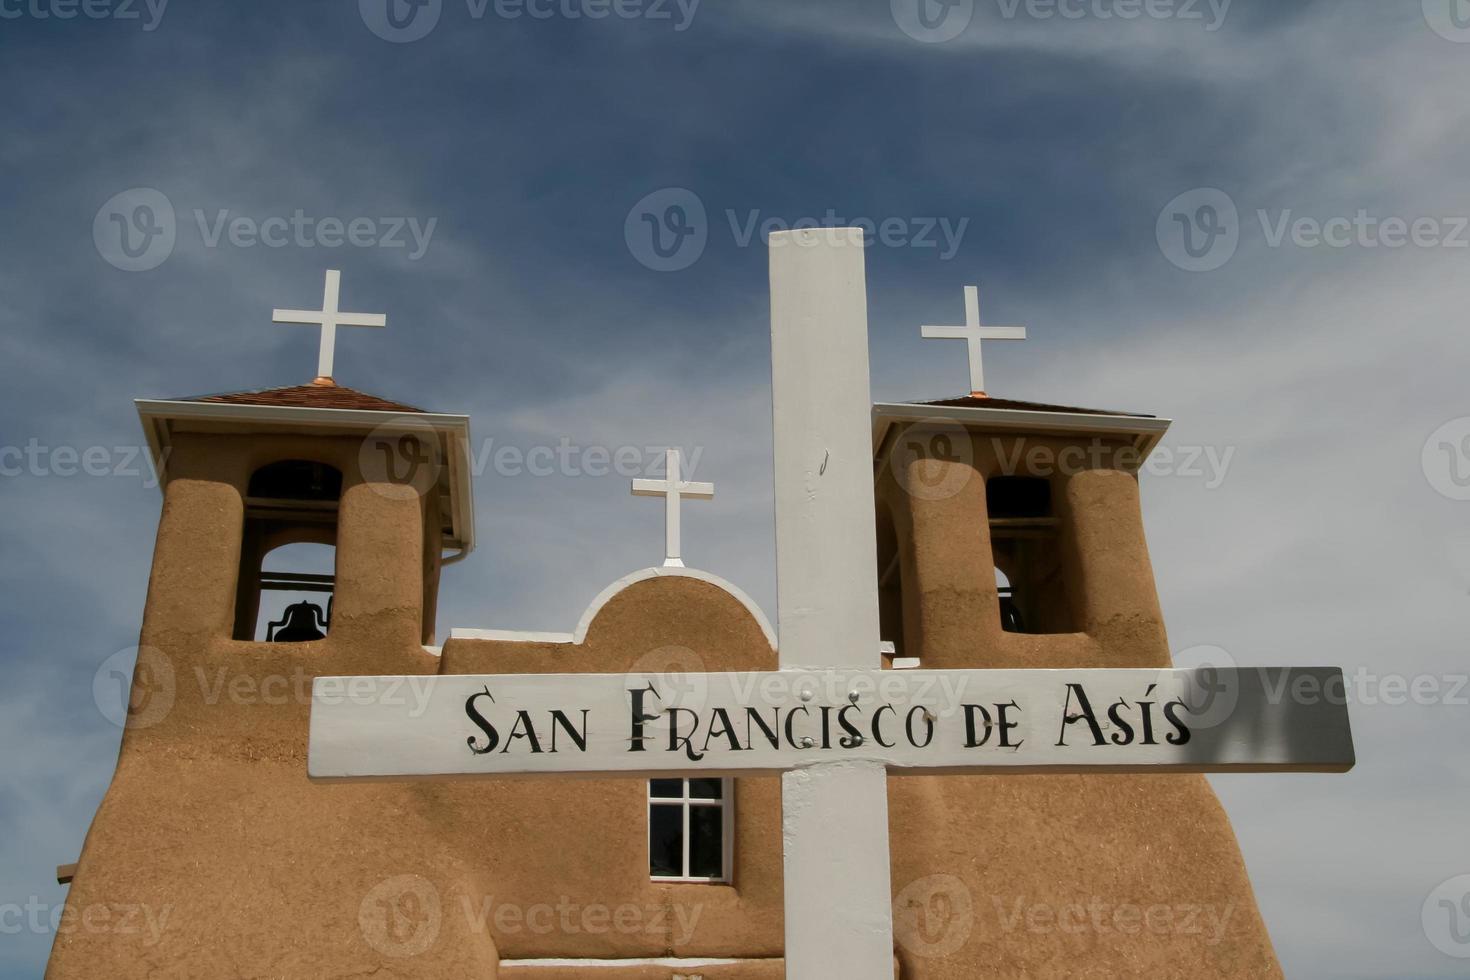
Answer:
(1248, 217)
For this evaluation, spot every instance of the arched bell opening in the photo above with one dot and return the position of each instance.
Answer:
(1025, 541)
(288, 553)
(297, 585)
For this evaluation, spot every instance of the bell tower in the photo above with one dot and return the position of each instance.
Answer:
(384, 484)
(209, 815)
(1010, 535)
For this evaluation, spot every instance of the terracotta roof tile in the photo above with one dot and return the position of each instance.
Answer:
(972, 401)
(316, 395)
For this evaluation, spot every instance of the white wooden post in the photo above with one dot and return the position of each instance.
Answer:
(839, 918)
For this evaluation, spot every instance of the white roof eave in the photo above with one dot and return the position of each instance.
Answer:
(158, 415)
(1145, 432)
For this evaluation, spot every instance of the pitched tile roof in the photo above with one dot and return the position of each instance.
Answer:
(318, 394)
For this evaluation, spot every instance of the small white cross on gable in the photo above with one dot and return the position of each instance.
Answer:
(973, 333)
(329, 318)
(673, 488)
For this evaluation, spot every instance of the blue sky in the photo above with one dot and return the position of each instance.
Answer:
(1319, 360)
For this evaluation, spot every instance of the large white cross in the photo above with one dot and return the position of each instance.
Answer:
(329, 318)
(974, 334)
(674, 488)
(834, 783)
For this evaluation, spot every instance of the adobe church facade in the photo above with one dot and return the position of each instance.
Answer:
(264, 874)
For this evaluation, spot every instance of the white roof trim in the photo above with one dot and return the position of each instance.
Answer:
(667, 963)
(158, 414)
(511, 636)
(290, 414)
(1146, 432)
(606, 595)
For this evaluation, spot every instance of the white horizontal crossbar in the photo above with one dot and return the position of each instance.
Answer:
(978, 721)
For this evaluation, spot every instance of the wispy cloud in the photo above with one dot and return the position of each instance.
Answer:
(1324, 369)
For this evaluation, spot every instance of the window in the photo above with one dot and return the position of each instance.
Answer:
(690, 829)
(1030, 575)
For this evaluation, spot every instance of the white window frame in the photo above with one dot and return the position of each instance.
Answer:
(686, 803)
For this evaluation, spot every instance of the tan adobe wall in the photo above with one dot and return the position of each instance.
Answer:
(1149, 863)
(209, 819)
(210, 814)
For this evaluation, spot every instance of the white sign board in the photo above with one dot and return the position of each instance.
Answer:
(982, 721)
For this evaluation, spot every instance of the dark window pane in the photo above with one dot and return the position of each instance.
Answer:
(665, 841)
(666, 789)
(706, 842)
(705, 789)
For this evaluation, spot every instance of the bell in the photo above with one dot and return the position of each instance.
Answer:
(301, 623)
(1010, 616)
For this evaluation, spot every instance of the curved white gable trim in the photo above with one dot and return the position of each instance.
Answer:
(606, 596)
(668, 571)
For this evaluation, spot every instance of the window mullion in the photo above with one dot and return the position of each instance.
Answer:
(686, 809)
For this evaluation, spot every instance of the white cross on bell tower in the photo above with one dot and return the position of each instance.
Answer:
(973, 333)
(329, 318)
(674, 488)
